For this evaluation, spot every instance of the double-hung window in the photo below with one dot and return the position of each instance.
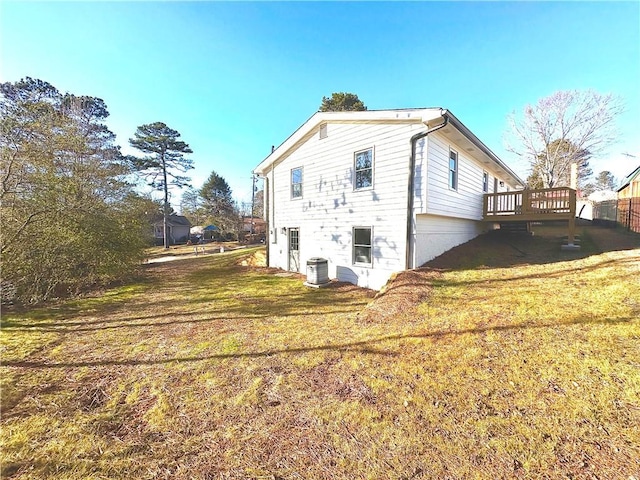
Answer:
(363, 169)
(485, 182)
(453, 170)
(296, 182)
(362, 246)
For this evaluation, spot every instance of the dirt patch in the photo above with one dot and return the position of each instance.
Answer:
(323, 380)
(402, 294)
(498, 250)
(257, 259)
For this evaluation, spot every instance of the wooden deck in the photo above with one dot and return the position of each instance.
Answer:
(530, 205)
(541, 205)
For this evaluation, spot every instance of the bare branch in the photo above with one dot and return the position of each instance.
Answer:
(563, 128)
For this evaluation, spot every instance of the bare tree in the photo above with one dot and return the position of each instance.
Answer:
(556, 131)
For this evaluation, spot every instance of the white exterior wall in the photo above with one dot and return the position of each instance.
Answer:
(437, 198)
(330, 208)
(435, 235)
(445, 217)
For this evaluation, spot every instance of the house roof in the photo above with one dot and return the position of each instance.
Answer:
(430, 117)
(175, 221)
(630, 178)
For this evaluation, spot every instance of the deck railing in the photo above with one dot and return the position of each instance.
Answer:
(528, 205)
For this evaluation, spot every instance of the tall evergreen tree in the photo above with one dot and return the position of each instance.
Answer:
(605, 181)
(165, 158)
(217, 200)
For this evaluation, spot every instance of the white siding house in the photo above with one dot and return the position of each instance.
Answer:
(338, 188)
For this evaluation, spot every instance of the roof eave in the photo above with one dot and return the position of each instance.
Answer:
(629, 179)
(415, 115)
(486, 150)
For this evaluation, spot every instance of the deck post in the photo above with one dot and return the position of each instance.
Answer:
(571, 238)
(572, 231)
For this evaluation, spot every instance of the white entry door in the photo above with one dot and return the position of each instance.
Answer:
(294, 250)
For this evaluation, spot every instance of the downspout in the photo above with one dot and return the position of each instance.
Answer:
(265, 206)
(412, 174)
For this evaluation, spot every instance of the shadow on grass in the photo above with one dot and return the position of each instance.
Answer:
(72, 327)
(222, 291)
(363, 346)
(218, 293)
(500, 250)
(430, 277)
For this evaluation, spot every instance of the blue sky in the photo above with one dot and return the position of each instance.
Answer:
(237, 77)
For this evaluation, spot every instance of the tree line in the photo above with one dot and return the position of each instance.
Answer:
(71, 217)
(213, 204)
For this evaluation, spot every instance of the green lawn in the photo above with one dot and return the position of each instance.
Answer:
(206, 369)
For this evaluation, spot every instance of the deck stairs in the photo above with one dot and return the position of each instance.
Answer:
(515, 228)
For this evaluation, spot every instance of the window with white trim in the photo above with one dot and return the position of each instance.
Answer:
(296, 182)
(453, 170)
(485, 182)
(362, 246)
(363, 169)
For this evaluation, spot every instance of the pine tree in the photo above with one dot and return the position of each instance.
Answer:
(165, 158)
(342, 101)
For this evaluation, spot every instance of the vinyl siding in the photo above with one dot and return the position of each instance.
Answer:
(436, 198)
(466, 201)
(446, 217)
(330, 208)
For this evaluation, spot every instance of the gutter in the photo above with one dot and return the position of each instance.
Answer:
(412, 169)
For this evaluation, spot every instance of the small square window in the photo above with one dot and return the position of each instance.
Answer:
(453, 170)
(362, 245)
(296, 182)
(363, 168)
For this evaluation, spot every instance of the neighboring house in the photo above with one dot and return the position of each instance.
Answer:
(254, 224)
(631, 185)
(629, 201)
(376, 192)
(179, 229)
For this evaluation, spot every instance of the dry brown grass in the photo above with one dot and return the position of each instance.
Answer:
(517, 362)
